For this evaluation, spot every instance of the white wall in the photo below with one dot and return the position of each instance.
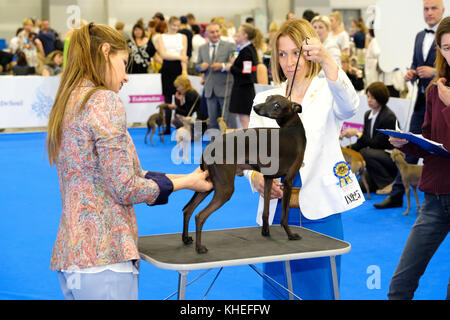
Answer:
(13, 12)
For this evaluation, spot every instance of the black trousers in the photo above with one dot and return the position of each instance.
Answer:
(381, 170)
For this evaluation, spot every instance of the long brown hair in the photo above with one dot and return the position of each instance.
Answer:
(297, 30)
(85, 61)
(442, 67)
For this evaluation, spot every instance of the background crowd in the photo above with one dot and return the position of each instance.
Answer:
(39, 49)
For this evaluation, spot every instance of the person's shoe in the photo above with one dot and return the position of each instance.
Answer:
(166, 132)
(389, 202)
(385, 190)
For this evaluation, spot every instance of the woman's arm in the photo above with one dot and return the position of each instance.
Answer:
(162, 51)
(184, 51)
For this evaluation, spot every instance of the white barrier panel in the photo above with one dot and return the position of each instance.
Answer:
(26, 101)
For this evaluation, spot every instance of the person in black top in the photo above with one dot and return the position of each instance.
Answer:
(142, 50)
(187, 102)
(381, 170)
(353, 73)
(243, 69)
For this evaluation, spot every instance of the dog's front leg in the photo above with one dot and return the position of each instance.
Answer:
(265, 216)
(287, 190)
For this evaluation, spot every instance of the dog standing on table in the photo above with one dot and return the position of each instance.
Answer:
(156, 121)
(357, 165)
(223, 174)
(410, 177)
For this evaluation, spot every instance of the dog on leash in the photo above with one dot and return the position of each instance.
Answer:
(156, 121)
(183, 137)
(222, 173)
(357, 165)
(410, 176)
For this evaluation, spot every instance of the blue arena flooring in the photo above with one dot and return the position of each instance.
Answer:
(30, 211)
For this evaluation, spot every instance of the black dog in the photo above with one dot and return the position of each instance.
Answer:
(291, 144)
(154, 121)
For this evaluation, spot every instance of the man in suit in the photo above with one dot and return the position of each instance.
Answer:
(214, 61)
(422, 69)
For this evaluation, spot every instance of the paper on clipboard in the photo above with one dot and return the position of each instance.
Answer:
(428, 145)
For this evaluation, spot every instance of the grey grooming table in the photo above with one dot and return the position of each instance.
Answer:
(231, 247)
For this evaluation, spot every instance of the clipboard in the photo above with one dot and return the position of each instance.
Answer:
(428, 145)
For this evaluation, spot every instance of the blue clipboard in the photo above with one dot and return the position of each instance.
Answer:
(426, 144)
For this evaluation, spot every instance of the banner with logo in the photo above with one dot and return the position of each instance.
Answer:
(26, 101)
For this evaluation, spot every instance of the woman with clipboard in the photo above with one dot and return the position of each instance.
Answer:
(433, 223)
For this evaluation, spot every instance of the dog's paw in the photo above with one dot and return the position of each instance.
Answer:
(187, 240)
(294, 236)
(201, 249)
(265, 232)
(405, 213)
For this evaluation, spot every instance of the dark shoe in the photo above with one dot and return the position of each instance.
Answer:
(166, 132)
(389, 202)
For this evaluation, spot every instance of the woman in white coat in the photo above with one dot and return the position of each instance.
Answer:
(327, 98)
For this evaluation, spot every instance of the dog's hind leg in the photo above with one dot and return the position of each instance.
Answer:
(363, 178)
(151, 135)
(223, 179)
(148, 130)
(408, 199)
(188, 209)
(265, 215)
(417, 198)
(217, 201)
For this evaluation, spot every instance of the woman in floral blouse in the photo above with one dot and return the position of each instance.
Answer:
(99, 172)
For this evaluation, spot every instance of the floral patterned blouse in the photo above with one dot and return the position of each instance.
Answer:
(100, 179)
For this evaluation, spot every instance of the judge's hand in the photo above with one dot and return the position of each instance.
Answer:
(258, 184)
(199, 180)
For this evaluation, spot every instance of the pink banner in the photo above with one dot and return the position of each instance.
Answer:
(352, 125)
(146, 98)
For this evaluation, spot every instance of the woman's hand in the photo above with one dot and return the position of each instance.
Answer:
(350, 132)
(443, 91)
(198, 180)
(315, 51)
(258, 184)
(397, 142)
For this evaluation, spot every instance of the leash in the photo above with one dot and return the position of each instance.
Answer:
(295, 72)
(193, 106)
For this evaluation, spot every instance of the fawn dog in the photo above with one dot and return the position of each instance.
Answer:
(357, 165)
(156, 120)
(183, 136)
(222, 173)
(223, 126)
(410, 176)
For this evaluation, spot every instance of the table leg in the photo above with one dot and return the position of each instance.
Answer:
(182, 275)
(334, 276)
(287, 265)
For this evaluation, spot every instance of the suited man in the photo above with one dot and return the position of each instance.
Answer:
(422, 71)
(214, 61)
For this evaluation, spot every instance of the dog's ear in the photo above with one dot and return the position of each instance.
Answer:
(297, 107)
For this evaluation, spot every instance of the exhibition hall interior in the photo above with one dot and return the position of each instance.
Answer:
(237, 150)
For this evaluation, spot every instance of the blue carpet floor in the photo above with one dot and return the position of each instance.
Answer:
(30, 211)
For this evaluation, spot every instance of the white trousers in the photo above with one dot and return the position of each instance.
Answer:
(105, 285)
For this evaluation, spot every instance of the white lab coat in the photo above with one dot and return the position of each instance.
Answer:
(324, 108)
